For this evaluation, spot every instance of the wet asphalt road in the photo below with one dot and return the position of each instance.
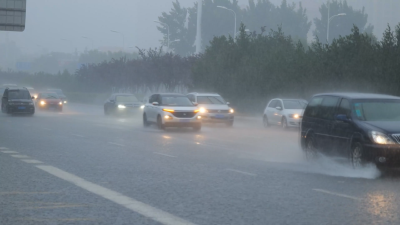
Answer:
(80, 167)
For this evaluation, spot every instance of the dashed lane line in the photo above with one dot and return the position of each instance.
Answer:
(32, 161)
(20, 156)
(118, 198)
(242, 172)
(10, 152)
(112, 143)
(158, 153)
(337, 194)
(3, 148)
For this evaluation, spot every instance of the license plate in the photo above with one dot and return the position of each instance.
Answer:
(184, 121)
(21, 107)
(219, 116)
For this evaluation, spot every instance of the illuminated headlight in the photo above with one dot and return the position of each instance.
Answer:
(231, 111)
(167, 117)
(65, 102)
(294, 116)
(381, 138)
(198, 117)
(60, 103)
(203, 110)
(35, 96)
(42, 103)
(142, 106)
(121, 107)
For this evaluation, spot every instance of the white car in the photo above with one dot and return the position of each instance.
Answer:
(284, 112)
(171, 110)
(213, 108)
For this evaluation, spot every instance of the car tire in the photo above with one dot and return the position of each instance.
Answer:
(265, 121)
(284, 123)
(357, 156)
(159, 123)
(311, 151)
(197, 128)
(145, 122)
(229, 124)
(106, 111)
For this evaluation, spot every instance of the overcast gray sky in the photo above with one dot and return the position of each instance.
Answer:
(49, 21)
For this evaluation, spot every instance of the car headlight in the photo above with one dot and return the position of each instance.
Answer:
(42, 102)
(60, 103)
(142, 106)
(121, 107)
(294, 116)
(203, 110)
(381, 138)
(65, 102)
(231, 111)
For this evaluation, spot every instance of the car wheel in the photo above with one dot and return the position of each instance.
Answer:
(145, 122)
(357, 157)
(159, 123)
(265, 122)
(284, 123)
(197, 128)
(106, 111)
(310, 150)
(229, 124)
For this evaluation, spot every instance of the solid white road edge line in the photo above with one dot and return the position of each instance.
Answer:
(337, 194)
(164, 154)
(129, 203)
(242, 172)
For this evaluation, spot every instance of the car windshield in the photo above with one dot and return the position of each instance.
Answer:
(377, 110)
(293, 104)
(49, 96)
(19, 94)
(126, 98)
(210, 100)
(58, 91)
(176, 101)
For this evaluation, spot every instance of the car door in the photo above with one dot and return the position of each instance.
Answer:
(4, 101)
(278, 112)
(269, 111)
(326, 121)
(342, 130)
(149, 109)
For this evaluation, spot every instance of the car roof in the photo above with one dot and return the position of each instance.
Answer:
(350, 95)
(289, 99)
(127, 94)
(171, 94)
(204, 94)
(16, 88)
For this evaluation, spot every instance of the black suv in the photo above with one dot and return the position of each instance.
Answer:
(363, 127)
(17, 100)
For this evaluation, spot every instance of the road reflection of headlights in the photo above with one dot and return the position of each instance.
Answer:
(294, 116)
(231, 111)
(121, 107)
(381, 138)
(42, 103)
(203, 110)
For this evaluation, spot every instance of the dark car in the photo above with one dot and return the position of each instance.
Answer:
(17, 100)
(363, 127)
(60, 94)
(122, 104)
(49, 101)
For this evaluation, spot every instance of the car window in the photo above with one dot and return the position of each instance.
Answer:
(278, 104)
(292, 104)
(49, 96)
(377, 110)
(175, 101)
(19, 94)
(328, 107)
(152, 99)
(126, 98)
(191, 97)
(345, 108)
(313, 108)
(272, 104)
(210, 100)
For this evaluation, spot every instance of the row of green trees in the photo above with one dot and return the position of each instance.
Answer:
(258, 15)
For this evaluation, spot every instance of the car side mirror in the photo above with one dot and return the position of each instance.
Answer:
(195, 103)
(278, 108)
(33, 97)
(155, 103)
(342, 117)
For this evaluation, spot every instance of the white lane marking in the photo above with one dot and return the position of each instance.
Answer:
(337, 194)
(112, 143)
(118, 198)
(164, 154)
(242, 172)
(3, 148)
(10, 152)
(77, 135)
(33, 161)
(20, 156)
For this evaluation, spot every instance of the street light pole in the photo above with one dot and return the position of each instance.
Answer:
(164, 24)
(223, 7)
(123, 39)
(330, 19)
